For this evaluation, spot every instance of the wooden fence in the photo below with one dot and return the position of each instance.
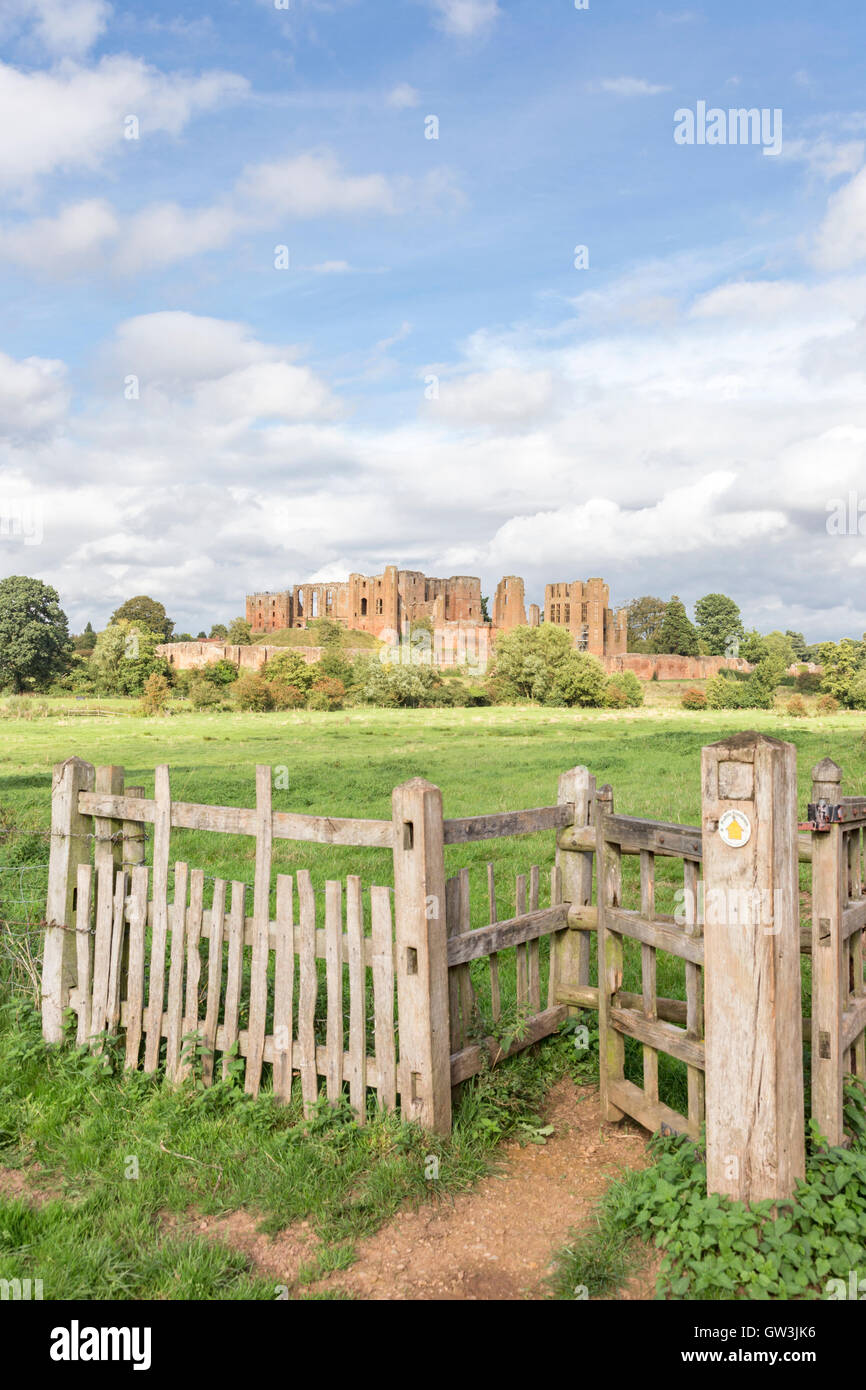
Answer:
(392, 989)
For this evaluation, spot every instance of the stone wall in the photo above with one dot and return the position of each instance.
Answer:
(673, 668)
(187, 656)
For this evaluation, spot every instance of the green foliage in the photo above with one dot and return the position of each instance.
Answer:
(286, 696)
(579, 679)
(623, 689)
(327, 694)
(404, 687)
(718, 622)
(124, 657)
(676, 635)
(808, 682)
(204, 694)
(645, 617)
(252, 692)
(34, 634)
(85, 641)
(527, 660)
(753, 648)
(325, 632)
(290, 668)
(717, 1248)
(780, 649)
(219, 673)
(843, 664)
(240, 634)
(156, 693)
(145, 612)
(827, 704)
(725, 691)
(797, 707)
(219, 630)
(693, 698)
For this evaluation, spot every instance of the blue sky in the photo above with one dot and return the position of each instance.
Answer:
(431, 381)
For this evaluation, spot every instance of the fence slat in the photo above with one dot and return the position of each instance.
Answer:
(697, 1089)
(357, 998)
(533, 948)
(308, 991)
(159, 930)
(214, 979)
(284, 984)
(495, 999)
(649, 973)
(83, 902)
(261, 917)
(115, 955)
(452, 928)
(135, 975)
(194, 916)
(175, 973)
(334, 982)
(522, 971)
(610, 959)
(468, 1001)
(383, 996)
(555, 900)
(102, 946)
(234, 971)
(70, 846)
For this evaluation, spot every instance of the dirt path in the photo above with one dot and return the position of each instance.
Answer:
(496, 1241)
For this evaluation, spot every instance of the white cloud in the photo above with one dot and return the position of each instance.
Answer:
(332, 268)
(826, 158)
(504, 397)
(173, 346)
(312, 185)
(403, 95)
(631, 87)
(61, 27)
(466, 17)
(73, 240)
(71, 118)
(841, 238)
(33, 396)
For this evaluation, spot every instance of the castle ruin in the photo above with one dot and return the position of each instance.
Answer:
(387, 605)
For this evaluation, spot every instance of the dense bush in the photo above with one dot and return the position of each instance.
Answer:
(796, 707)
(124, 657)
(203, 693)
(327, 694)
(404, 687)
(579, 680)
(724, 691)
(808, 682)
(291, 669)
(156, 693)
(527, 660)
(623, 689)
(286, 696)
(220, 672)
(827, 704)
(252, 692)
(693, 698)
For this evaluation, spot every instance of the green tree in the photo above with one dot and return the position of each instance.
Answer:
(219, 630)
(240, 634)
(124, 657)
(485, 611)
(527, 659)
(326, 632)
(753, 648)
(780, 649)
(34, 634)
(579, 679)
(86, 640)
(147, 613)
(719, 623)
(645, 617)
(798, 643)
(842, 661)
(676, 636)
(291, 668)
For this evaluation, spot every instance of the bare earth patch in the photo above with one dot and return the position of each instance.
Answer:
(497, 1240)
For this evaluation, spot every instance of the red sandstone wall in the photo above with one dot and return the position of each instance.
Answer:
(674, 668)
(187, 656)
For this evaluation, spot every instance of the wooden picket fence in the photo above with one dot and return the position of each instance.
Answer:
(397, 993)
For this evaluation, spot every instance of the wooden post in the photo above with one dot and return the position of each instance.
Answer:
(754, 1044)
(134, 838)
(107, 851)
(70, 846)
(611, 1046)
(572, 948)
(828, 959)
(421, 955)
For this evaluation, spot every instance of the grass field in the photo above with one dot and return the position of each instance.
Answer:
(64, 1116)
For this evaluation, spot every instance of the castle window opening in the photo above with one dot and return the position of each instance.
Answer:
(363, 608)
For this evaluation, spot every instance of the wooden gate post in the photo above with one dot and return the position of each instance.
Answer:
(829, 958)
(70, 846)
(421, 955)
(754, 1047)
(577, 788)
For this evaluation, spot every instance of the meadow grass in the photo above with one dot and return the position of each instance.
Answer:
(63, 1111)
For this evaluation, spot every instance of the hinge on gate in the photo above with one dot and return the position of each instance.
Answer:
(820, 815)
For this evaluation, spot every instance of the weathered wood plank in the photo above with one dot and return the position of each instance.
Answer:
(586, 997)
(175, 974)
(649, 990)
(482, 941)
(664, 938)
(656, 1034)
(159, 931)
(653, 1115)
(555, 901)
(308, 990)
(284, 985)
(214, 981)
(194, 919)
(452, 926)
(610, 955)
(576, 789)
(383, 996)
(829, 950)
(235, 820)
(522, 990)
(261, 916)
(470, 1060)
(102, 946)
(234, 973)
(115, 958)
(83, 903)
(135, 976)
(696, 1080)
(357, 998)
(495, 995)
(334, 986)
(533, 957)
(70, 846)
(469, 829)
